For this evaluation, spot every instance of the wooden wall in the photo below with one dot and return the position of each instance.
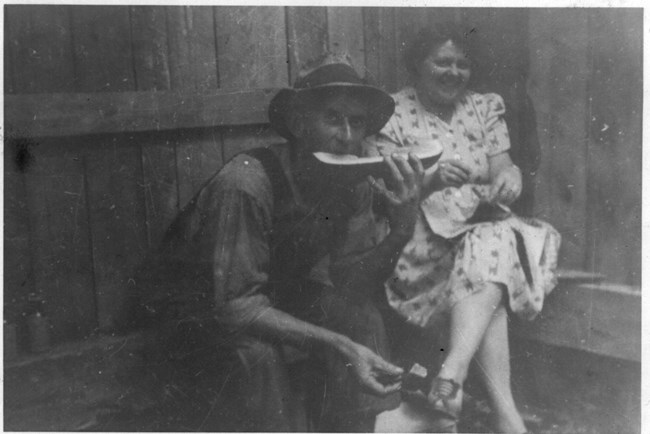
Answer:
(586, 82)
(116, 114)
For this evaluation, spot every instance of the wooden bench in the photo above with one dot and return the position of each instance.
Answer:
(585, 313)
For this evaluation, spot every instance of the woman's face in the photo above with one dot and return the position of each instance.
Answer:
(444, 74)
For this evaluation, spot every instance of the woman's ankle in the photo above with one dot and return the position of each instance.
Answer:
(453, 372)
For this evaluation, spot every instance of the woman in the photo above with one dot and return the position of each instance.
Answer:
(461, 265)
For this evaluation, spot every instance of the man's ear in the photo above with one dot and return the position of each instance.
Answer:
(296, 124)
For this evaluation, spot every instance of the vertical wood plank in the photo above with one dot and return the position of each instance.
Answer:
(381, 47)
(18, 279)
(239, 139)
(559, 70)
(251, 47)
(102, 48)
(306, 36)
(199, 155)
(192, 48)
(9, 54)
(345, 29)
(160, 183)
(150, 49)
(615, 149)
(40, 48)
(61, 245)
(116, 206)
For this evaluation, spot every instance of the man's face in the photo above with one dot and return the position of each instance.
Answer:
(337, 124)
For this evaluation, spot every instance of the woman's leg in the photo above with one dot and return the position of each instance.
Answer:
(493, 361)
(470, 318)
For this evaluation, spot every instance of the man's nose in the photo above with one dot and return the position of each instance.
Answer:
(345, 130)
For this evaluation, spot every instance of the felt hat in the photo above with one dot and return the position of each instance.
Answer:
(331, 71)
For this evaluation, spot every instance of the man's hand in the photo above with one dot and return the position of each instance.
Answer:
(402, 192)
(374, 374)
(506, 186)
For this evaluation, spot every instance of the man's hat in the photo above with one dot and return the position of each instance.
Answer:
(331, 71)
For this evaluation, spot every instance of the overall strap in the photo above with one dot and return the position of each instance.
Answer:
(273, 169)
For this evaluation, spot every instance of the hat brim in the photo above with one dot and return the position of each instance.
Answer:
(379, 104)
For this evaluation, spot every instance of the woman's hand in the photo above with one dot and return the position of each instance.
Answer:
(402, 192)
(506, 186)
(374, 374)
(451, 173)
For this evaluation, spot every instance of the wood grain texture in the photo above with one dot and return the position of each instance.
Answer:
(60, 238)
(252, 48)
(18, 279)
(199, 154)
(117, 222)
(94, 113)
(345, 29)
(160, 183)
(559, 75)
(381, 57)
(615, 149)
(150, 48)
(39, 49)
(102, 49)
(239, 139)
(192, 48)
(306, 36)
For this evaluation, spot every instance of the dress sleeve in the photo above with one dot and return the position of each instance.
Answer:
(493, 110)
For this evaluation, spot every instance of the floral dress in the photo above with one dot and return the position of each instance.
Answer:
(449, 256)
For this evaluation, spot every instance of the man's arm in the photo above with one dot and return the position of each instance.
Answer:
(273, 324)
(358, 275)
(241, 258)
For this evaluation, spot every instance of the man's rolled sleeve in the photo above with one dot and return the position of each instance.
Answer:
(240, 258)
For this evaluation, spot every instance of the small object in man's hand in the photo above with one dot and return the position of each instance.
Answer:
(416, 379)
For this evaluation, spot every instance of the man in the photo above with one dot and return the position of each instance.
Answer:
(275, 250)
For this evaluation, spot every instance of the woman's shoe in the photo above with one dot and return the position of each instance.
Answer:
(446, 397)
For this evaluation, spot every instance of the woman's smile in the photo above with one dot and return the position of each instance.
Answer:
(443, 76)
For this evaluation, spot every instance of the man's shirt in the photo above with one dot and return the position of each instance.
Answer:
(235, 248)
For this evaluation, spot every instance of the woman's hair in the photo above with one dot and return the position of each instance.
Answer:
(431, 37)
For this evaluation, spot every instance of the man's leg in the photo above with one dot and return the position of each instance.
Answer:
(347, 408)
(229, 384)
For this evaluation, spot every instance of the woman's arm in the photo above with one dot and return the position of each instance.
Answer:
(447, 173)
(268, 322)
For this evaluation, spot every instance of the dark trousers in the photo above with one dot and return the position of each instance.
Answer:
(237, 382)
